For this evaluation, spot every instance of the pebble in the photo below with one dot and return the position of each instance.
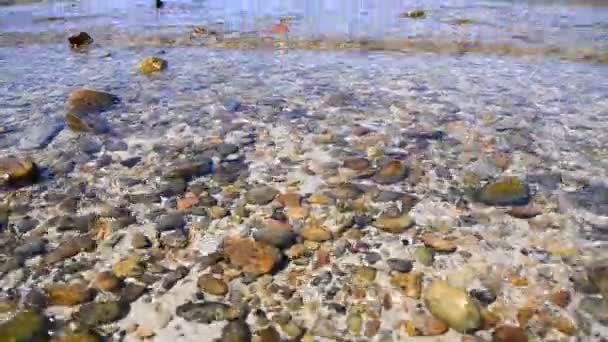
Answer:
(372, 257)
(140, 241)
(394, 224)
(24, 326)
(509, 191)
(107, 281)
(400, 265)
(170, 221)
(99, 313)
(176, 239)
(561, 298)
(211, 285)
(392, 172)
(130, 266)
(438, 244)
(87, 100)
(276, 233)
(131, 292)
(269, 334)
(205, 312)
(453, 306)
(364, 276)
(410, 284)
(484, 296)
(15, 170)
(314, 232)
(509, 333)
(68, 295)
(236, 331)
(251, 256)
(261, 195)
(80, 40)
(40, 135)
(434, 327)
(150, 65)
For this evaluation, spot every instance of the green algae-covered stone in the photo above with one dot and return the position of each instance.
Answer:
(151, 65)
(509, 191)
(26, 326)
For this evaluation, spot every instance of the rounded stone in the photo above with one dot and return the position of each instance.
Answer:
(392, 172)
(107, 281)
(15, 170)
(150, 65)
(509, 333)
(261, 195)
(394, 224)
(453, 306)
(400, 265)
(236, 331)
(211, 285)
(509, 191)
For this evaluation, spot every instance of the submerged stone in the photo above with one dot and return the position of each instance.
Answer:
(392, 172)
(150, 65)
(394, 224)
(205, 312)
(80, 39)
(98, 313)
(25, 326)
(15, 170)
(236, 331)
(593, 198)
(40, 135)
(453, 306)
(509, 191)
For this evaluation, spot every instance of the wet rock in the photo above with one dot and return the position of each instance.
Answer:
(80, 40)
(410, 284)
(438, 244)
(340, 99)
(84, 102)
(86, 122)
(144, 198)
(115, 145)
(68, 295)
(205, 312)
(140, 241)
(372, 257)
(236, 331)
(392, 172)
(130, 266)
(261, 195)
(150, 65)
(279, 235)
(80, 224)
(211, 285)
(354, 323)
(414, 14)
(561, 298)
(89, 145)
(269, 334)
(484, 296)
(176, 239)
(70, 248)
(232, 104)
(510, 191)
(525, 212)
(172, 186)
(34, 299)
(346, 192)
(107, 281)
(99, 313)
(31, 248)
(131, 292)
(453, 306)
(357, 164)
(26, 224)
(313, 231)
(364, 276)
(170, 221)
(290, 200)
(400, 265)
(598, 275)
(189, 170)
(77, 336)
(40, 135)
(591, 197)
(17, 171)
(24, 326)
(251, 256)
(396, 224)
(130, 162)
(509, 333)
